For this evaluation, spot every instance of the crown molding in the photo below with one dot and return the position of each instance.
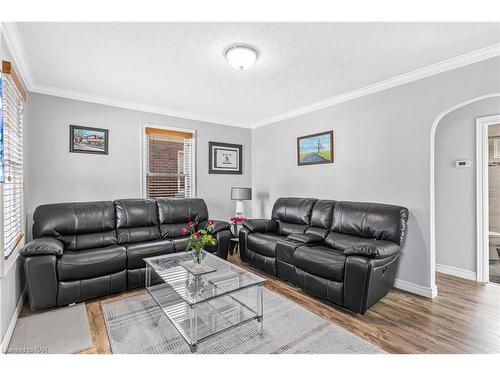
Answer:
(441, 67)
(18, 53)
(20, 59)
(126, 104)
(21, 62)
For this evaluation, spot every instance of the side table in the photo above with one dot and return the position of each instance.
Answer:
(235, 239)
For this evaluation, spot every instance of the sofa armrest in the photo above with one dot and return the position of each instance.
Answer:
(380, 250)
(261, 225)
(307, 239)
(43, 246)
(217, 225)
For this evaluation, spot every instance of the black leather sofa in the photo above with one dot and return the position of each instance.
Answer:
(86, 250)
(344, 252)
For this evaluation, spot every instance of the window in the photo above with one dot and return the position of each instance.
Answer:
(168, 163)
(11, 133)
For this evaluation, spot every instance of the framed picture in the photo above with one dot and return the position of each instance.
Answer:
(315, 148)
(224, 158)
(88, 140)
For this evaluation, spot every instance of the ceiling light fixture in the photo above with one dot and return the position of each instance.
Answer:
(241, 56)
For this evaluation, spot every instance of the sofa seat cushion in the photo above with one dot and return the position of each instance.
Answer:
(345, 242)
(138, 251)
(264, 243)
(86, 264)
(320, 261)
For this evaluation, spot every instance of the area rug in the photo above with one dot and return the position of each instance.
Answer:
(137, 325)
(59, 331)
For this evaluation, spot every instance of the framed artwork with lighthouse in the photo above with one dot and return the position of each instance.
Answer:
(315, 148)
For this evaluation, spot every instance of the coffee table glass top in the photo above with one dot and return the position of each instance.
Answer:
(226, 278)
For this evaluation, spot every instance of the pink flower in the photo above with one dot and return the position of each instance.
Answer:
(184, 231)
(197, 235)
(238, 219)
(191, 223)
(210, 222)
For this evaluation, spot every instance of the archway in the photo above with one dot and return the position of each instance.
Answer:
(433, 182)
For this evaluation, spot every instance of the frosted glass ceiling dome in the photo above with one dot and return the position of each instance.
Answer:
(241, 56)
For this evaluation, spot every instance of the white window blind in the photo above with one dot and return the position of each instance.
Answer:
(13, 188)
(169, 163)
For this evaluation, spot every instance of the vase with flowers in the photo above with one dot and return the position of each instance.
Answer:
(238, 219)
(199, 239)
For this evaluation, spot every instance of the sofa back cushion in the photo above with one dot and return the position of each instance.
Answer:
(292, 214)
(370, 220)
(176, 214)
(136, 220)
(321, 218)
(79, 226)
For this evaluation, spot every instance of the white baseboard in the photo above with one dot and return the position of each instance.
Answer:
(416, 289)
(458, 272)
(13, 321)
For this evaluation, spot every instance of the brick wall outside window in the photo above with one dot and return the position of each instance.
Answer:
(164, 159)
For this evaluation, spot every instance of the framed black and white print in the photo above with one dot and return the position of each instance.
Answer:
(224, 158)
(87, 140)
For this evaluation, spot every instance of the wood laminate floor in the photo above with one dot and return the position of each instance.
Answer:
(463, 318)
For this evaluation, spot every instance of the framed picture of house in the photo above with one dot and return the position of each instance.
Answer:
(87, 140)
(224, 158)
(315, 148)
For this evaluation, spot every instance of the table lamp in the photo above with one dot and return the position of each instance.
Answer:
(240, 194)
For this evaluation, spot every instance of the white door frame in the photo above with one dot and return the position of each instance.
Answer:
(482, 205)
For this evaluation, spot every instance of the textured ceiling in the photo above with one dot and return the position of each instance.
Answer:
(180, 66)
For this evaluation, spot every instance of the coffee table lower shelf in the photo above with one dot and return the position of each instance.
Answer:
(201, 321)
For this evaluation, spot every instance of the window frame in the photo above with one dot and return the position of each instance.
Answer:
(6, 262)
(180, 166)
(144, 150)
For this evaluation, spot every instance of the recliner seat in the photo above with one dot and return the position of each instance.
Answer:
(289, 216)
(344, 252)
(85, 264)
(91, 249)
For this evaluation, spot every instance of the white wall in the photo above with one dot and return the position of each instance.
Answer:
(56, 175)
(382, 154)
(455, 187)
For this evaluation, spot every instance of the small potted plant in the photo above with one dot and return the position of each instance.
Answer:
(199, 239)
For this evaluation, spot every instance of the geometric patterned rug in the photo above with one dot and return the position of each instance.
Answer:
(136, 324)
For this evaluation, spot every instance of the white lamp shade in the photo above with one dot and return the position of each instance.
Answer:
(241, 57)
(241, 194)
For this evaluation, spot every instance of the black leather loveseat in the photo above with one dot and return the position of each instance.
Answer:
(343, 252)
(91, 249)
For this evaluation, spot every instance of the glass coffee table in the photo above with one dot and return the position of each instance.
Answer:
(201, 306)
